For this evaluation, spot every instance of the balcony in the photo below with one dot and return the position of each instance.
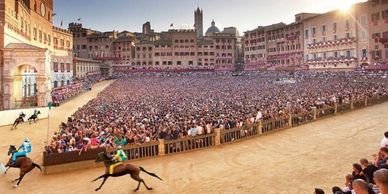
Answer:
(332, 60)
(333, 43)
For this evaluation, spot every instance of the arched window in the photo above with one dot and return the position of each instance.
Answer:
(55, 84)
(68, 82)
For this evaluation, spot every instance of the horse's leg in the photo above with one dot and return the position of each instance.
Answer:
(137, 178)
(98, 177)
(148, 188)
(103, 181)
(7, 170)
(16, 180)
(138, 185)
(20, 179)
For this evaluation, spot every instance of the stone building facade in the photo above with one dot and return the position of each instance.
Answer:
(378, 35)
(83, 67)
(30, 45)
(333, 40)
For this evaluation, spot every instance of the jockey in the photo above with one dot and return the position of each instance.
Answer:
(118, 159)
(21, 114)
(23, 150)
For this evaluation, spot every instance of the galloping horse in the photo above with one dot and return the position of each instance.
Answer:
(24, 163)
(19, 120)
(121, 170)
(34, 117)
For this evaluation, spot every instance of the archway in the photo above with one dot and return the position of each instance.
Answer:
(25, 86)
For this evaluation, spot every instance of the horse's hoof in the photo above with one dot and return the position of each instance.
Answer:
(96, 189)
(15, 186)
(149, 188)
(135, 190)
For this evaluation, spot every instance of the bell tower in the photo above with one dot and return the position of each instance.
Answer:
(198, 22)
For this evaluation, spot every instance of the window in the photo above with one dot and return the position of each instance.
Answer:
(363, 20)
(363, 53)
(323, 29)
(376, 35)
(348, 54)
(55, 67)
(335, 37)
(62, 67)
(384, 14)
(335, 54)
(334, 27)
(313, 31)
(68, 67)
(347, 35)
(375, 16)
(347, 25)
(385, 34)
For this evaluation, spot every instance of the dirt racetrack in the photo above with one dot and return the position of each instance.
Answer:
(291, 161)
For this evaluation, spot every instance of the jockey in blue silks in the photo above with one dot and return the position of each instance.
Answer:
(23, 150)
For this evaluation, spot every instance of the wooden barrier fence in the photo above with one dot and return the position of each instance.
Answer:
(301, 119)
(219, 137)
(269, 126)
(325, 112)
(134, 151)
(189, 143)
(237, 134)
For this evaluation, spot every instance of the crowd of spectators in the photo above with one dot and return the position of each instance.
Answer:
(60, 94)
(142, 107)
(367, 177)
(63, 93)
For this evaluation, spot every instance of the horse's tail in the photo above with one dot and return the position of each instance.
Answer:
(37, 166)
(150, 173)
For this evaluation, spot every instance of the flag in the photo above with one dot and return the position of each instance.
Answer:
(54, 14)
(171, 25)
(61, 23)
(79, 19)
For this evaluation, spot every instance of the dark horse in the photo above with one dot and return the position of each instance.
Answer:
(121, 170)
(19, 120)
(24, 163)
(34, 117)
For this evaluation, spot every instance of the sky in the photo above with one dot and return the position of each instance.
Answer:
(107, 15)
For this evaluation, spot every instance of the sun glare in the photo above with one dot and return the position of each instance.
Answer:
(345, 6)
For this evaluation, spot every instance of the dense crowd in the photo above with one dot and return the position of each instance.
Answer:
(63, 93)
(367, 177)
(142, 107)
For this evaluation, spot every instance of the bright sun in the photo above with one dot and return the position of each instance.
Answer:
(345, 6)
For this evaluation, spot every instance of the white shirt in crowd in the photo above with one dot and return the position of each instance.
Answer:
(199, 130)
(384, 142)
(258, 116)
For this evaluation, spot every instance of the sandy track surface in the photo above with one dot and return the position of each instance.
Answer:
(290, 161)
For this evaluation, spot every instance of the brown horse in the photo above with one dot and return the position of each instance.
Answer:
(121, 170)
(19, 120)
(24, 163)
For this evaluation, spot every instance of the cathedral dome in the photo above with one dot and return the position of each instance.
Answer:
(212, 29)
